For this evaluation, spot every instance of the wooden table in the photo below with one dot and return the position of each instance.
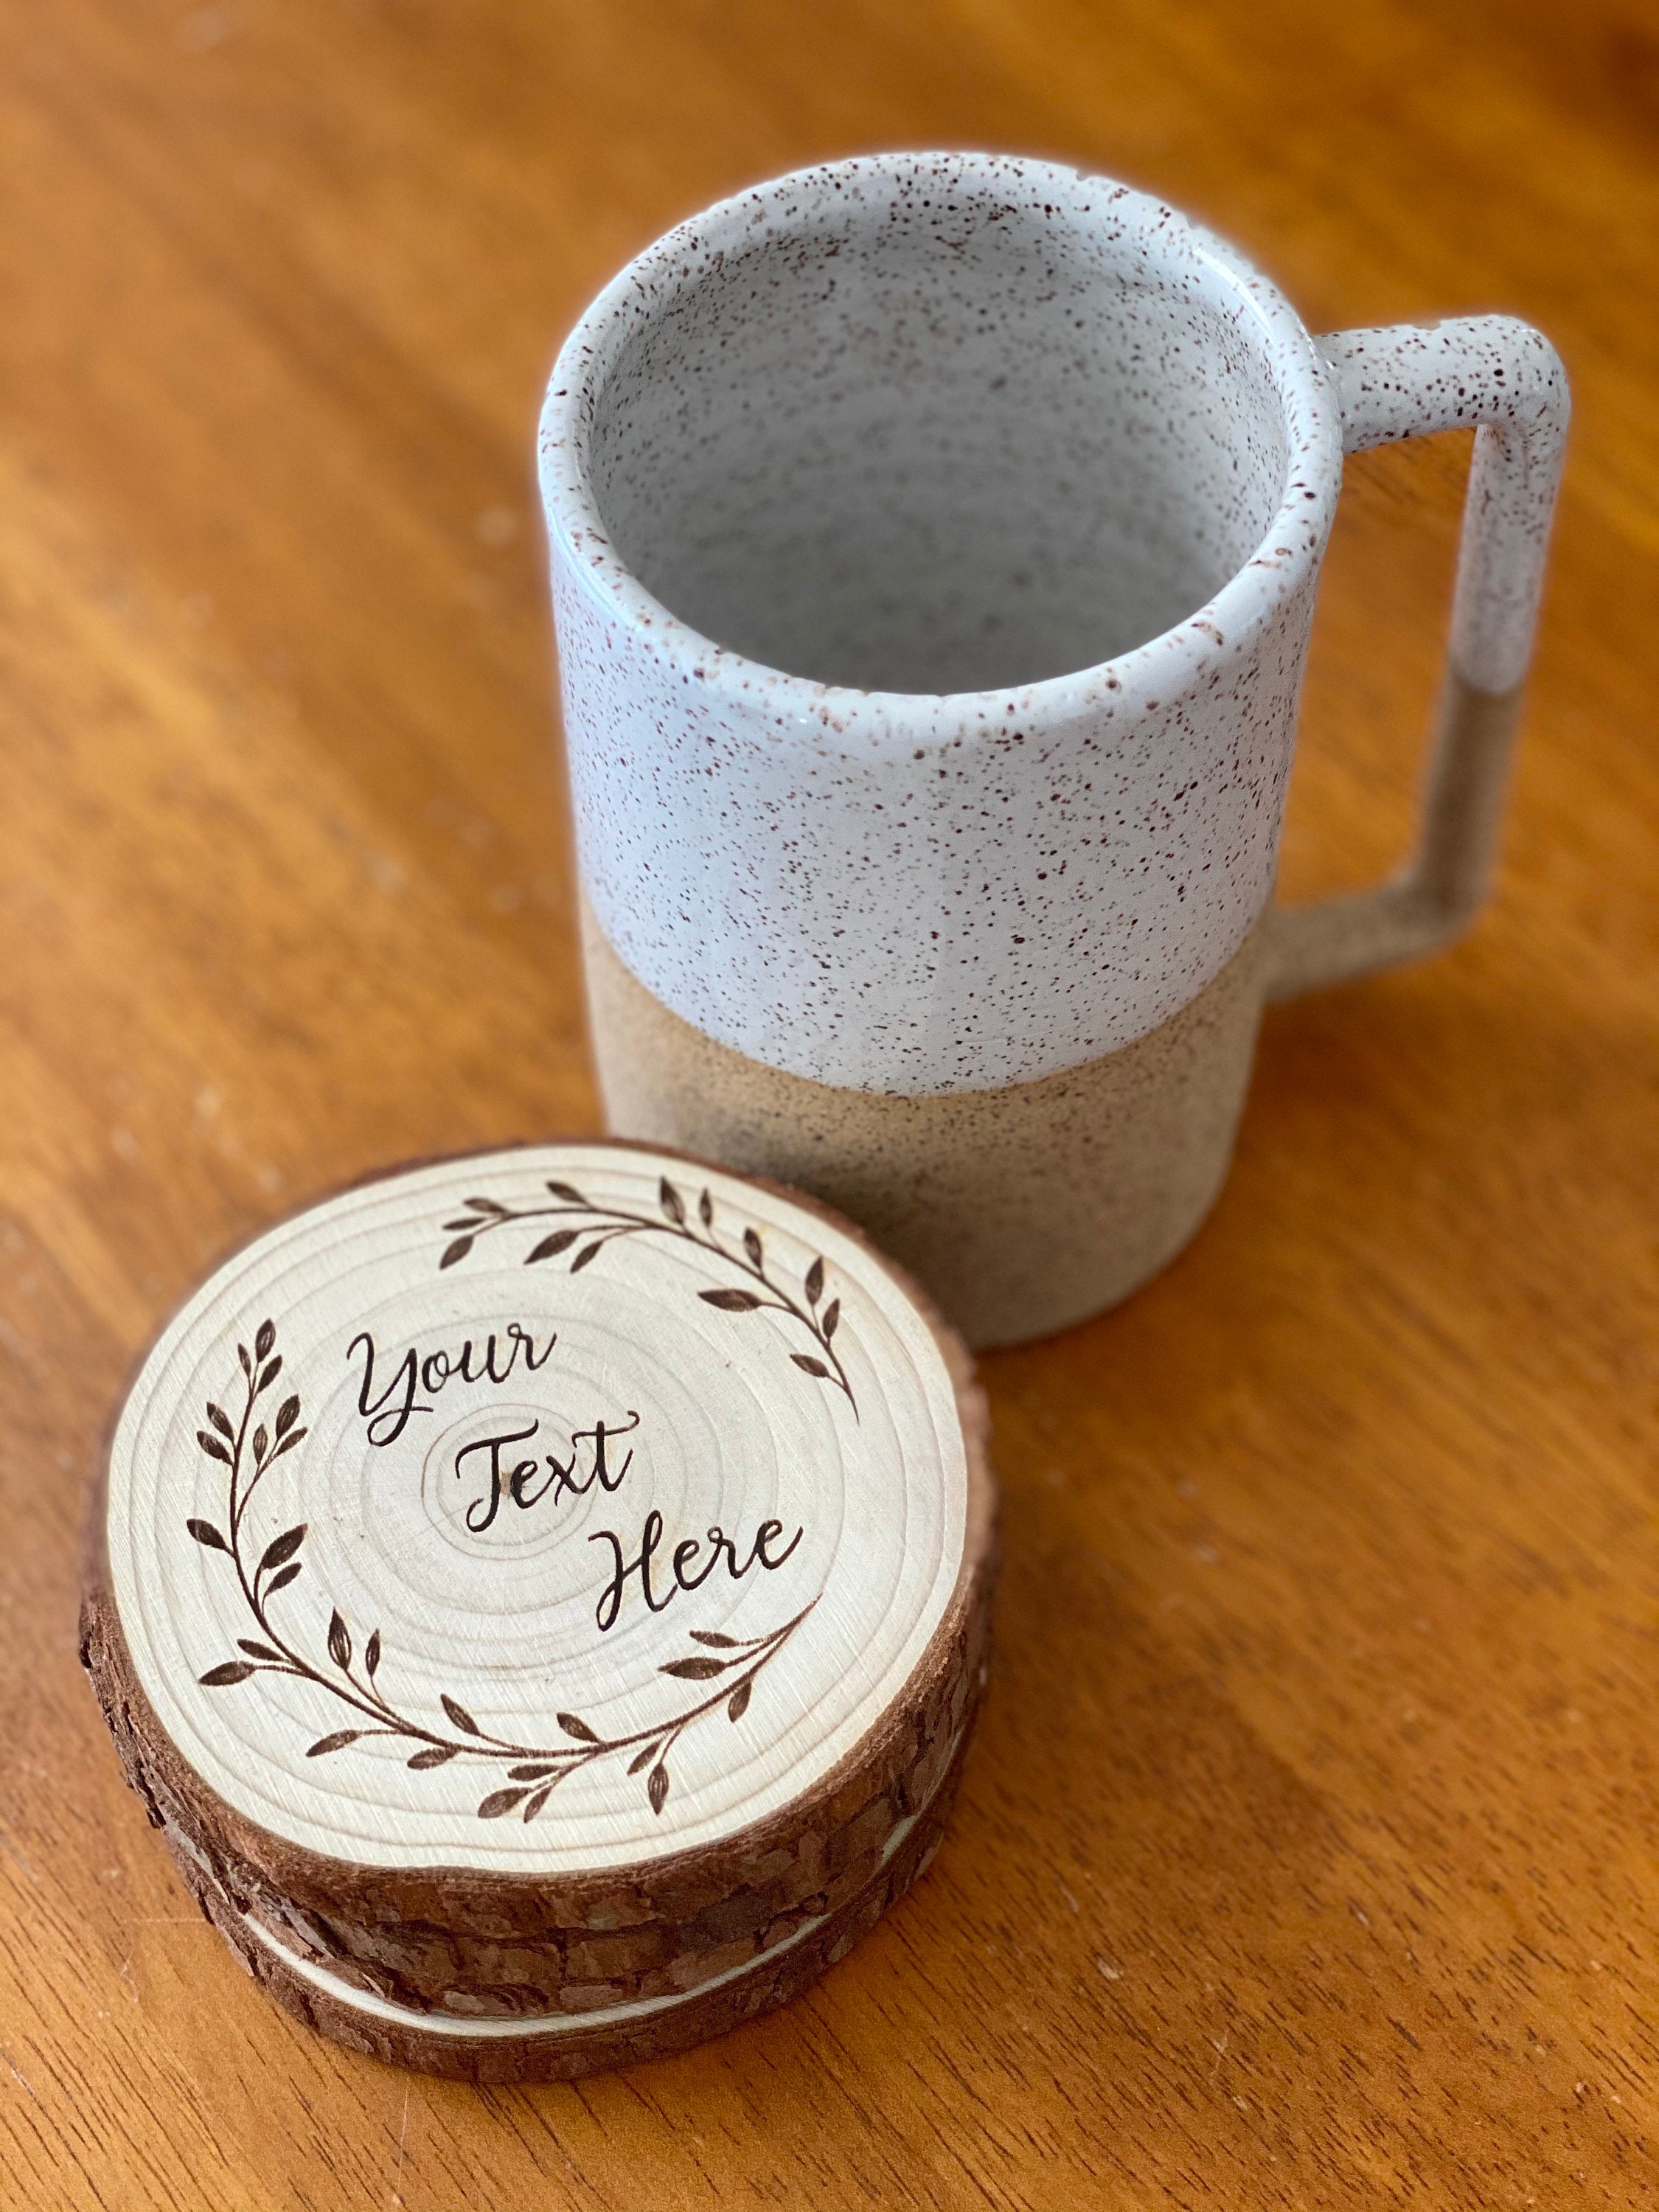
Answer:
(1307, 1856)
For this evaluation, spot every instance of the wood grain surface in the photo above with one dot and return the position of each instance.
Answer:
(1307, 1854)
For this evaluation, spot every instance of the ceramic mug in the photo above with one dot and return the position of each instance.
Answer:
(935, 540)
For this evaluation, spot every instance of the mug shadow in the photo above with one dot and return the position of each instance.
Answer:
(1191, 1847)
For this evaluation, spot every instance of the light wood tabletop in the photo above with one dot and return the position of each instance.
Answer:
(1309, 1853)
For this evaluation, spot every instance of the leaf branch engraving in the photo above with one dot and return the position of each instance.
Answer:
(248, 1448)
(589, 1228)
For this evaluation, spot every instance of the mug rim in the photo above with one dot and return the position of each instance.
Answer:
(1224, 625)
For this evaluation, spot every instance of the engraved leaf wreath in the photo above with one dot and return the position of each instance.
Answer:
(248, 1448)
(590, 1228)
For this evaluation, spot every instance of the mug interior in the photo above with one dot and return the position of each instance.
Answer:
(939, 440)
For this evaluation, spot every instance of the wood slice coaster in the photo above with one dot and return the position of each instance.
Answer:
(542, 1597)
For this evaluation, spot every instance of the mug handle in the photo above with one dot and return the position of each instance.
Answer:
(1507, 379)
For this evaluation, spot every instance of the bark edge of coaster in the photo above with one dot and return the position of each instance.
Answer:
(543, 1598)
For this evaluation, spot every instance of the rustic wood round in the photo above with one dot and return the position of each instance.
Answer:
(541, 1597)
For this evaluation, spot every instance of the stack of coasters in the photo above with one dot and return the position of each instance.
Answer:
(542, 1598)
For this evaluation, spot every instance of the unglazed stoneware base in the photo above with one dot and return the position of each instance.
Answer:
(1022, 1209)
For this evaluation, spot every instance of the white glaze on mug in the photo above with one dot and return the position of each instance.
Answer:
(1507, 377)
(892, 889)
(910, 424)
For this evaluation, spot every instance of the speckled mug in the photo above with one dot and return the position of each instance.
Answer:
(935, 540)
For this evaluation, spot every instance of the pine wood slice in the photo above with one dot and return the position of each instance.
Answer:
(558, 2045)
(542, 1584)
